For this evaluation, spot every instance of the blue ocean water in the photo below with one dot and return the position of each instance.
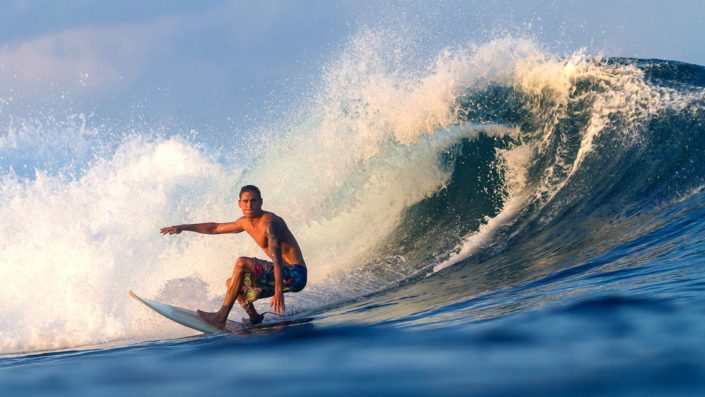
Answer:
(537, 228)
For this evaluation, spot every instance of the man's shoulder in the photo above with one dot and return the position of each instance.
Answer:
(239, 221)
(268, 215)
(272, 218)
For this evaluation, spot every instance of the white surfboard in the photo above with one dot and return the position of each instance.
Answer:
(187, 318)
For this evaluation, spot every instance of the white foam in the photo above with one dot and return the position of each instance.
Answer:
(73, 247)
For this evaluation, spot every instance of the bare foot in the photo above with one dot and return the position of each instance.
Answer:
(214, 318)
(253, 321)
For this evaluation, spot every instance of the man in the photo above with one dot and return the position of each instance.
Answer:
(255, 278)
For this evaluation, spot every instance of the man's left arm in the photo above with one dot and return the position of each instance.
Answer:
(274, 234)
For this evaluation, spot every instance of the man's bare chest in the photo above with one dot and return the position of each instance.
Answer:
(258, 235)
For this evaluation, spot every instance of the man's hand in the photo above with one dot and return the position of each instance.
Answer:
(170, 230)
(278, 303)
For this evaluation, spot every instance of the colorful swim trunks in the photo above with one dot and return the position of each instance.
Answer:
(260, 283)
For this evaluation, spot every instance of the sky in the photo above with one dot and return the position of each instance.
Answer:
(221, 67)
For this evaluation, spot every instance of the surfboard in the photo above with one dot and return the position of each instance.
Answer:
(187, 318)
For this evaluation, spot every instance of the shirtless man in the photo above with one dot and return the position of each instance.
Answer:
(255, 278)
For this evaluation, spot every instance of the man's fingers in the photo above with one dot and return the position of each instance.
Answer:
(169, 230)
(278, 305)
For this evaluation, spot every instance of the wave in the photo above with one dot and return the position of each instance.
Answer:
(390, 173)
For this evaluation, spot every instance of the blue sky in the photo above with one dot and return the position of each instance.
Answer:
(220, 67)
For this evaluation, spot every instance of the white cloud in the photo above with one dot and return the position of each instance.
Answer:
(91, 60)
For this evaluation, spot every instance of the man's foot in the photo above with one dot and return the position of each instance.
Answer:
(215, 318)
(253, 320)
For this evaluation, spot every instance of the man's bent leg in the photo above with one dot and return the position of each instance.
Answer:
(248, 307)
(218, 318)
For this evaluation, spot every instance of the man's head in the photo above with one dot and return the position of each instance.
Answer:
(250, 201)
(250, 188)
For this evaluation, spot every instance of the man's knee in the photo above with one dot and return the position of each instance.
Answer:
(243, 263)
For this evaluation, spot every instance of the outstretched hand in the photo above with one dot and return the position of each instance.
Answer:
(278, 303)
(170, 230)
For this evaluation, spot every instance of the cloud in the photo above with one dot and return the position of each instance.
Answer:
(90, 60)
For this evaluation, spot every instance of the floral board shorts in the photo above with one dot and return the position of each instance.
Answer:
(260, 283)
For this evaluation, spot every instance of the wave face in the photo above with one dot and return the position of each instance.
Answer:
(492, 166)
(622, 138)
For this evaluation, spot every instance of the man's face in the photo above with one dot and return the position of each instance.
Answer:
(250, 204)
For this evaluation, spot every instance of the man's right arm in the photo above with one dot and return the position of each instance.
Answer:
(204, 228)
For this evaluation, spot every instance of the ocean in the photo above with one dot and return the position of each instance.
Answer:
(495, 220)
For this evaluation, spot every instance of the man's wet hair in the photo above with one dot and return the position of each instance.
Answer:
(251, 189)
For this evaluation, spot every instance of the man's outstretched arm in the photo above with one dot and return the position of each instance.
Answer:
(274, 234)
(204, 228)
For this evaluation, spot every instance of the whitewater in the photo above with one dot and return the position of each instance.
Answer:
(494, 218)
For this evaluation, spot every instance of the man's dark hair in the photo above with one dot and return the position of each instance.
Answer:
(251, 189)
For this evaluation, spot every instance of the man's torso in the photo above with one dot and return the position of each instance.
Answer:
(256, 228)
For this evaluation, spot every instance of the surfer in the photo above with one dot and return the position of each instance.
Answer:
(255, 278)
